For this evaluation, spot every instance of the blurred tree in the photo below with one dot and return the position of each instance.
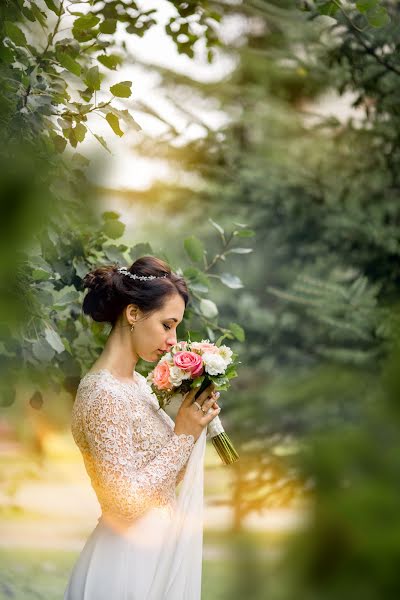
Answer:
(319, 304)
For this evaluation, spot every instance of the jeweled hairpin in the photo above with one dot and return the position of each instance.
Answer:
(124, 271)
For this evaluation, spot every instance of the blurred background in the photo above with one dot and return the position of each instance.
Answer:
(256, 147)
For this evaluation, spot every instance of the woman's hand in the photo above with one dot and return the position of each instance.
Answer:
(190, 419)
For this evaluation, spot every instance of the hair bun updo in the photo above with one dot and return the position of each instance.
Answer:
(110, 291)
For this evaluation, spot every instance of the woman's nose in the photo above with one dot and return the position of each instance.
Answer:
(171, 341)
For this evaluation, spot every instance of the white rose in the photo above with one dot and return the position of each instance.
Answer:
(177, 375)
(214, 364)
(226, 354)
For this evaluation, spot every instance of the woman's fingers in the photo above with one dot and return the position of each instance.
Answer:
(211, 415)
(207, 394)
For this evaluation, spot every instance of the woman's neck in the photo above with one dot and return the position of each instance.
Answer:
(117, 355)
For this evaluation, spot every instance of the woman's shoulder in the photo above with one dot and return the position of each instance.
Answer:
(104, 380)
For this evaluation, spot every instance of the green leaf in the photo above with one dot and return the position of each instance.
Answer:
(244, 233)
(92, 78)
(239, 224)
(7, 397)
(86, 22)
(102, 142)
(28, 13)
(194, 248)
(79, 161)
(42, 350)
(237, 331)
(113, 228)
(69, 63)
(365, 5)
(239, 251)
(378, 17)
(122, 89)
(208, 308)
(217, 227)
(39, 15)
(328, 8)
(113, 121)
(80, 132)
(66, 299)
(59, 143)
(232, 281)
(54, 340)
(113, 253)
(127, 117)
(86, 94)
(108, 26)
(15, 34)
(40, 275)
(110, 215)
(80, 265)
(53, 5)
(111, 61)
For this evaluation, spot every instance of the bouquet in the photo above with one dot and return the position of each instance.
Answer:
(197, 364)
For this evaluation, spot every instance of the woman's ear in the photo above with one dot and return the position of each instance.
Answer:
(131, 312)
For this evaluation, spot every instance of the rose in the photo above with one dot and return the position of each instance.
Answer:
(161, 376)
(176, 376)
(189, 361)
(205, 347)
(214, 363)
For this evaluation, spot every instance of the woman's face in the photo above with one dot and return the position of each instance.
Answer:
(154, 334)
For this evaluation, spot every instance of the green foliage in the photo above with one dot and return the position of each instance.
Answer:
(38, 93)
(53, 62)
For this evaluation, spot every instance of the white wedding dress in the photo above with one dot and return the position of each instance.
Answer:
(148, 542)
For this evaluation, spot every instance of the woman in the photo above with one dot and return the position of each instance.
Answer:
(147, 544)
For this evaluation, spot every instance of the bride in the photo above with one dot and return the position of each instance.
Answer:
(147, 544)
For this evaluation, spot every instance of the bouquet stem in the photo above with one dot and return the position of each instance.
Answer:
(225, 448)
(219, 437)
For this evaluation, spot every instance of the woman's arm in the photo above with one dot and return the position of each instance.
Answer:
(124, 489)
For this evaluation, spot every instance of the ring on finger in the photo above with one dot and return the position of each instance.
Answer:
(198, 405)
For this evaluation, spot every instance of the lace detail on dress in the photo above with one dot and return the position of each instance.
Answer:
(131, 453)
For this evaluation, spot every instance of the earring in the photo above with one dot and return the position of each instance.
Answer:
(132, 327)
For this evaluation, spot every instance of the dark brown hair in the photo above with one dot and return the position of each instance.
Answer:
(110, 291)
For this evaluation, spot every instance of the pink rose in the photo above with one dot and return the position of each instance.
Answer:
(189, 361)
(161, 376)
(206, 347)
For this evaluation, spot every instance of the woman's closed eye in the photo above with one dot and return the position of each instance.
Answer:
(166, 326)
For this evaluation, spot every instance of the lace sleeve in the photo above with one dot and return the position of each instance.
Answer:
(126, 490)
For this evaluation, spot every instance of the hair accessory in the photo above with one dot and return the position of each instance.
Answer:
(125, 271)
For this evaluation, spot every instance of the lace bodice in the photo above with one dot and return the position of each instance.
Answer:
(131, 453)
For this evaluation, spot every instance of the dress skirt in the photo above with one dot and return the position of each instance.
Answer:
(158, 557)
